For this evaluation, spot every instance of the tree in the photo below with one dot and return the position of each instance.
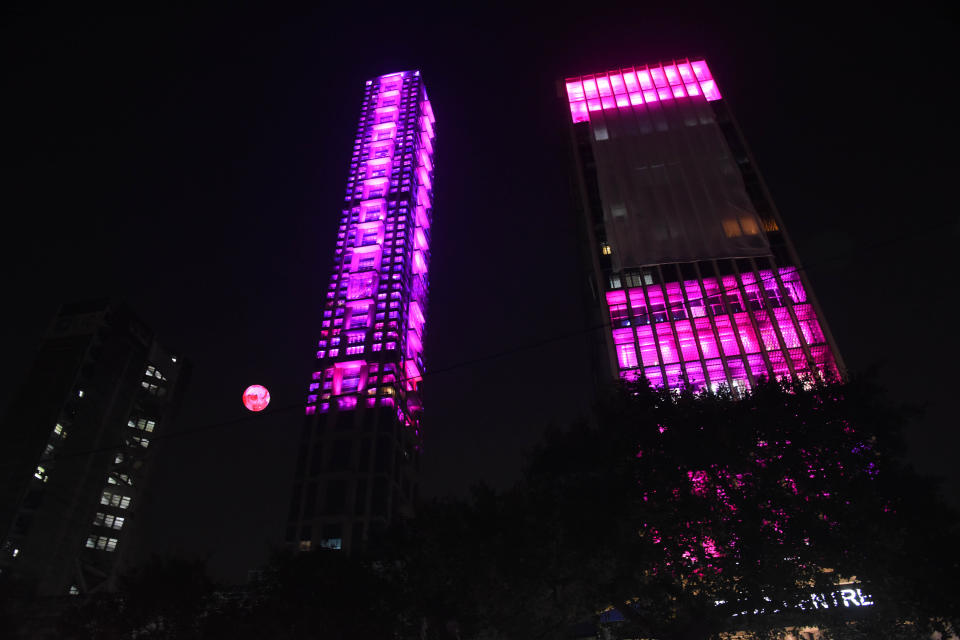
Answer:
(166, 598)
(696, 515)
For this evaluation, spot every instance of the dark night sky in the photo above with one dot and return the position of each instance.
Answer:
(194, 165)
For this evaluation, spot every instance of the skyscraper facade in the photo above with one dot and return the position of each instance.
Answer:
(75, 448)
(691, 268)
(359, 454)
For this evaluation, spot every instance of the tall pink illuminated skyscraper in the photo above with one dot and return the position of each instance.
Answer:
(690, 263)
(360, 447)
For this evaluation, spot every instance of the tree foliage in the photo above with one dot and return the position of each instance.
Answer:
(667, 516)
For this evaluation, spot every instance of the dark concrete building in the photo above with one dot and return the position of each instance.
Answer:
(75, 447)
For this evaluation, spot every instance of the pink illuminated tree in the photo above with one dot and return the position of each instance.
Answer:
(683, 517)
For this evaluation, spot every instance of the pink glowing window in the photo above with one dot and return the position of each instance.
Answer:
(645, 81)
(809, 326)
(361, 285)
(622, 336)
(616, 297)
(799, 360)
(791, 281)
(377, 169)
(654, 376)
(426, 127)
(648, 346)
(423, 198)
(365, 258)
(779, 364)
(386, 115)
(747, 335)
(701, 71)
(728, 339)
(637, 301)
(423, 219)
(659, 78)
(668, 346)
(416, 316)
(790, 337)
(672, 74)
(420, 238)
(716, 373)
(757, 367)
(688, 344)
(708, 343)
(627, 356)
(419, 262)
(695, 376)
(578, 110)
(424, 158)
(674, 376)
(411, 371)
(767, 333)
(590, 87)
(376, 188)
(369, 233)
(388, 98)
(603, 86)
(575, 90)
(414, 344)
(616, 83)
(738, 372)
(710, 91)
(629, 87)
(373, 210)
(386, 131)
(428, 109)
(381, 150)
(424, 177)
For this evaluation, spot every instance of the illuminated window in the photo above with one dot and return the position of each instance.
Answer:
(605, 249)
(114, 500)
(102, 543)
(41, 474)
(59, 430)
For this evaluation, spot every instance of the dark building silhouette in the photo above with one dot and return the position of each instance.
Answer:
(690, 263)
(75, 447)
(359, 455)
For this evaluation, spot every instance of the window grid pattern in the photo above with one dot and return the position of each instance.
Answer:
(633, 87)
(375, 301)
(719, 332)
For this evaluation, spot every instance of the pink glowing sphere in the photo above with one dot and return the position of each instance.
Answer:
(256, 397)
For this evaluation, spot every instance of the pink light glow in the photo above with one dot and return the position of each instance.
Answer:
(603, 86)
(616, 82)
(419, 238)
(705, 343)
(676, 80)
(256, 397)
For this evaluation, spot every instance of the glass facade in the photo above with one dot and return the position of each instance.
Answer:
(700, 284)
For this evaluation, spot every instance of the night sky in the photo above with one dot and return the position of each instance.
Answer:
(194, 165)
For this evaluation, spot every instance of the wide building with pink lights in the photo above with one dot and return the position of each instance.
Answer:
(692, 271)
(358, 461)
